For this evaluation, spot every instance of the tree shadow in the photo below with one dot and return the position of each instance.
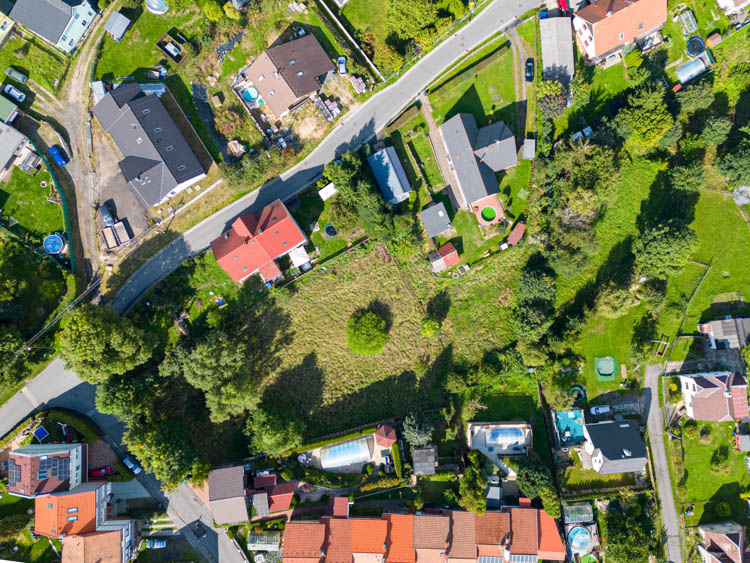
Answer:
(439, 305)
(298, 389)
(469, 102)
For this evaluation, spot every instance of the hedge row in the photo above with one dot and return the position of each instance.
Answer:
(13, 433)
(328, 478)
(334, 440)
(384, 483)
(440, 476)
(397, 460)
(81, 425)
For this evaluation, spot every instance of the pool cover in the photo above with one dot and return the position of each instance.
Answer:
(605, 368)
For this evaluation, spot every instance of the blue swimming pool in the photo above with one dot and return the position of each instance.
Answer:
(250, 94)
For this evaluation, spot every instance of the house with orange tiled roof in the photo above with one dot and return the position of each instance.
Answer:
(304, 542)
(72, 512)
(256, 240)
(400, 542)
(605, 27)
(338, 546)
(431, 537)
(113, 543)
(492, 533)
(369, 537)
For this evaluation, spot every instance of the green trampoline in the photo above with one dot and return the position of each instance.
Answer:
(489, 214)
(605, 368)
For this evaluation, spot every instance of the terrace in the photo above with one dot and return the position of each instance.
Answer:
(569, 428)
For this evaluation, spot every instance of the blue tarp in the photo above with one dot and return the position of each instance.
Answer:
(390, 175)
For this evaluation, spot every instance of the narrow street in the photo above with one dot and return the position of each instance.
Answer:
(669, 514)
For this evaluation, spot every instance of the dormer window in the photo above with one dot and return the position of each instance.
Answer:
(292, 62)
(261, 77)
(139, 140)
(622, 36)
(146, 111)
(170, 147)
(157, 130)
(181, 167)
(272, 92)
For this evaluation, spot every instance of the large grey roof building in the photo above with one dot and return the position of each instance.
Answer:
(615, 447)
(63, 23)
(558, 61)
(157, 161)
(226, 495)
(11, 143)
(476, 155)
(726, 333)
(425, 460)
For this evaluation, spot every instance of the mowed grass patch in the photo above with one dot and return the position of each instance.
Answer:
(28, 550)
(40, 63)
(704, 484)
(422, 148)
(514, 187)
(24, 199)
(718, 219)
(488, 94)
(577, 479)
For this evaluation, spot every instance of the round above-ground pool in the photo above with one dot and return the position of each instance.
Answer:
(695, 46)
(53, 244)
(489, 213)
(330, 231)
(250, 94)
(580, 540)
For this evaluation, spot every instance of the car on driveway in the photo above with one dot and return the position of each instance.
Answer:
(107, 218)
(16, 75)
(156, 543)
(601, 409)
(131, 465)
(529, 70)
(58, 156)
(14, 93)
(341, 63)
(199, 530)
(99, 473)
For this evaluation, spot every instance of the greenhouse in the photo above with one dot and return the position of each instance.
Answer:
(578, 513)
(346, 453)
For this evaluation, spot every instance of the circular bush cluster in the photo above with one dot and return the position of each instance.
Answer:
(365, 333)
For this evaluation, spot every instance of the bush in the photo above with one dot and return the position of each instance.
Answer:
(722, 509)
(334, 439)
(430, 328)
(367, 469)
(382, 483)
(365, 333)
(79, 424)
(720, 460)
(396, 453)
(287, 474)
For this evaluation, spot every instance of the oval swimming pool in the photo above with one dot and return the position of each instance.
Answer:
(250, 94)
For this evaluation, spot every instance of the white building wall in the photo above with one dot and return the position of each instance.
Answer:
(585, 36)
(76, 466)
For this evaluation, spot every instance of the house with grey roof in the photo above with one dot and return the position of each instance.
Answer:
(226, 495)
(12, 142)
(435, 219)
(476, 155)
(61, 23)
(730, 332)
(390, 175)
(558, 61)
(425, 460)
(158, 162)
(615, 447)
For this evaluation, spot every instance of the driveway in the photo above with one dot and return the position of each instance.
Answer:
(357, 128)
(661, 468)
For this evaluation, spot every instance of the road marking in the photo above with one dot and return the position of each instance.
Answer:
(30, 396)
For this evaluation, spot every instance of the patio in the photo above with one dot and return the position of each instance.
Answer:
(569, 428)
(488, 211)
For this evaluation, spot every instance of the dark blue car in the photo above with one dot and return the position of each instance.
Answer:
(58, 156)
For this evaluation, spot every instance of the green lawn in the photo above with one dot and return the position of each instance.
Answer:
(489, 94)
(705, 512)
(514, 187)
(24, 199)
(432, 491)
(704, 484)
(468, 240)
(421, 147)
(577, 479)
(312, 209)
(39, 62)
(29, 550)
(367, 16)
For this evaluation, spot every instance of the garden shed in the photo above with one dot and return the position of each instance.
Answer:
(390, 175)
(116, 26)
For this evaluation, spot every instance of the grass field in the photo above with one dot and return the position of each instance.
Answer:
(421, 147)
(514, 187)
(489, 94)
(24, 199)
(37, 61)
(39, 551)
(361, 15)
(577, 479)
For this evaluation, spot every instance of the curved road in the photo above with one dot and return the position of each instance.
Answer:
(56, 386)
(356, 129)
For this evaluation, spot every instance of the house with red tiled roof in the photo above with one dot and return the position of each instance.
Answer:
(40, 469)
(72, 512)
(341, 507)
(443, 258)
(463, 543)
(304, 542)
(264, 482)
(604, 27)
(385, 436)
(280, 496)
(257, 240)
(431, 537)
(717, 396)
(338, 547)
(400, 542)
(492, 533)
(113, 542)
(723, 542)
(369, 537)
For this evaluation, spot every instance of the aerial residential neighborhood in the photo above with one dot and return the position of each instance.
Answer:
(350, 281)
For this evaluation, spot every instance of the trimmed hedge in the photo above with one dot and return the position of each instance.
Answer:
(440, 476)
(328, 478)
(333, 440)
(396, 452)
(384, 483)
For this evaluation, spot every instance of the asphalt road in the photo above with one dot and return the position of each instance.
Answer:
(357, 128)
(661, 468)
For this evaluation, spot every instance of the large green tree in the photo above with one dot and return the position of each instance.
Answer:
(366, 333)
(716, 130)
(689, 177)
(699, 95)
(627, 541)
(645, 119)
(273, 432)
(417, 429)
(735, 165)
(473, 486)
(164, 449)
(532, 476)
(406, 19)
(663, 250)
(96, 343)
(128, 395)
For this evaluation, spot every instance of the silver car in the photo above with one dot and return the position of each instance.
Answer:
(14, 93)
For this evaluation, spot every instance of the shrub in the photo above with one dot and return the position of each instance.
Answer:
(365, 333)
(720, 459)
(287, 474)
(382, 483)
(367, 469)
(430, 328)
(722, 509)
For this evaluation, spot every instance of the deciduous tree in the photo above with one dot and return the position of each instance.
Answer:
(663, 250)
(473, 486)
(273, 432)
(366, 333)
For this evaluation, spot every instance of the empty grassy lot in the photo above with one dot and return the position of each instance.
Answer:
(488, 94)
(24, 199)
(37, 61)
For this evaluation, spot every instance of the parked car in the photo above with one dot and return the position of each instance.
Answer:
(156, 543)
(99, 473)
(130, 464)
(341, 62)
(529, 70)
(16, 75)
(58, 156)
(14, 93)
(199, 530)
(107, 217)
(601, 409)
